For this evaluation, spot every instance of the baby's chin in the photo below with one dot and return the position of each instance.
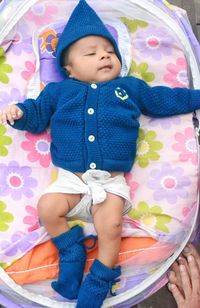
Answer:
(104, 78)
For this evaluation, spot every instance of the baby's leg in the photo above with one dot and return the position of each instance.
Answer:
(108, 223)
(107, 218)
(53, 208)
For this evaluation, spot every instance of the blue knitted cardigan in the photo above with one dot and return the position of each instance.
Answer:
(96, 125)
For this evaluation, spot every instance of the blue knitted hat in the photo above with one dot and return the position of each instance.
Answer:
(82, 22)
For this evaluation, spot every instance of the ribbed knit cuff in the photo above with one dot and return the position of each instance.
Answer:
(68, 238)
(103, 272)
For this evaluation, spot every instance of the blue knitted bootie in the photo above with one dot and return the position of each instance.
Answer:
(72, 257)
(96, 285)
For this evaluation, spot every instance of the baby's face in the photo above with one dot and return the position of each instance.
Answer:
(92, 59)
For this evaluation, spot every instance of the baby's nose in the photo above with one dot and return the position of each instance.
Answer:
(105, 55)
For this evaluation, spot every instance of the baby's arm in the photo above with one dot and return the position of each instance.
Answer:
(10, 113)
(33, 115)
(161, 101)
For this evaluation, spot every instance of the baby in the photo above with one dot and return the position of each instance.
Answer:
(93, 115)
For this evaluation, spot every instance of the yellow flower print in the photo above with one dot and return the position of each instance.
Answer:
(134, 24)
(4, 67)
(147, 147)
(54, 176)
(3, 265)
(140, 71)
(150, 216)
(75, 221)
(5, 217)
(168, 5)
(4, 140)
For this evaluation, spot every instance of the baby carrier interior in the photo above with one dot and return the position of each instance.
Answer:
(157, 45)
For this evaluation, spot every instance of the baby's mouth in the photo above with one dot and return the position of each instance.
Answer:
(106, 67)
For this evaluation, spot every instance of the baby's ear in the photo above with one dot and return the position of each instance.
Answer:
(67, 68)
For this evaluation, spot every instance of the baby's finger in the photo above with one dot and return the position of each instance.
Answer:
(19, 114)
(177, 294)
(195, 274)
(3, 117)
(13, 112)
(9, 117)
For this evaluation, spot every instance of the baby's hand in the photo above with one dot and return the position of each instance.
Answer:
(10, 113)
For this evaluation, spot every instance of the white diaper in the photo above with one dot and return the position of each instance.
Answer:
(94, 186)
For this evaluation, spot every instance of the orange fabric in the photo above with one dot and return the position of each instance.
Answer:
(42, 261)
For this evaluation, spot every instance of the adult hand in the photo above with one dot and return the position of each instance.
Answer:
(189, 276)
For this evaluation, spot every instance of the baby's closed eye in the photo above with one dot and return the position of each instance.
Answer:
(90, 54)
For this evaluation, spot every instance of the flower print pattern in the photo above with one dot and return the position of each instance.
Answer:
(5, 217)
(150, 216)
(133, 25)
(169, 183)
(3, 265)
(141, 71)
(42, 85)
(186, 145)
(165, 123)
(38, 147)
(13, 96)
(154, 42)
(16, 181)
(4, 67)
(32, 219)
(4, 140)
(113, 31)
(41, 14)
(19, 242)
(132, 184)
(177, 74)
(54, 176)
(22, 41)
(74, 221)
(186, 211)
(147, 148)
(49, 40)
(30, 70)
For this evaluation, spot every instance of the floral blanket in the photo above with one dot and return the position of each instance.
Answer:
(164, 177)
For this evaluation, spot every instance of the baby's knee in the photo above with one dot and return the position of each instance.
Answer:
(45, 208)
(113, 228)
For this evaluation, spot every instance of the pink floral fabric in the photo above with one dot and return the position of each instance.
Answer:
(163, 180)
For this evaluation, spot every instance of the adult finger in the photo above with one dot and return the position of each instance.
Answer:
(195, 253)
(174, 276)
(195, 274)
(186, 284)
(176, 294)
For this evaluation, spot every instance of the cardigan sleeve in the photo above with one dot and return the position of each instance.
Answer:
(161, 101)
(37, 112)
